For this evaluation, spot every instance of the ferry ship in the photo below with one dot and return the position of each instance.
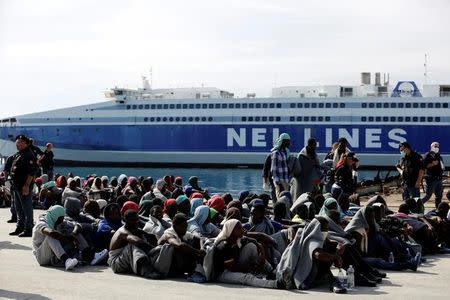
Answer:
(210, 127)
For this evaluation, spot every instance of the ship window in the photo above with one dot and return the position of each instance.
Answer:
(134, 106)
(217, 105)
(430, 105)
(166, 106)
(314, 105)
(147, 106)
(265, 105)
(191, 106)
(437, 105)
(204, 106)
(415, 119)
(306, 119)
(152, 106)
(231, 105)
(244, 105)
(430, 119)
(278, 119)
(445, 105)
(92, 119)
(407, 119)
(258, 105)
(335, 105)
(437, 119)
(371, 105)
(152, 119)
(243, 119)
(378, 105)
(177, 119)
(328, 105)
(320, 105)
(183, 119)
(385, 119)
(386, 105)
(128, 106)
(392, 119)
(370, 119)
(327, 119)
(378, 119)
(191, 119)
(299, 119)
(224, 105)
(278, 105)
(251, 105)
(422, 105)
(292, 105)
(393, 105)
(197, 105)
(238, 105)
(401, 105)
(342, 105)
(164, 119)
(313, 119)
(408, 105)
(185, 106)
(78, 119)
(400, 119)
(264, 119)
(292, 119)
(171, 119)
(250, 119)
(363, 119)
(172, 106)
(141, 106)
(158, 119)
(257, 119)
(211, 105)
(272, 105)
(299, 105)
(306, 105)
(197, 119)
(422, 119)
(320, 119)
(416, 105)
(159, 106)
(210, 119)
(270, 119)
(203, 119)
(68, 119)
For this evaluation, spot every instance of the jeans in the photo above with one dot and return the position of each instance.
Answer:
(12, 209)
(410, 192)
(379, 263)
(434, 186)
(24, 208)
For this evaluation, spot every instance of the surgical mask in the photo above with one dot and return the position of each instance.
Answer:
(324, 234)
(435, 149)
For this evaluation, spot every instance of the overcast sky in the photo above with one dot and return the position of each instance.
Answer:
(61, 53)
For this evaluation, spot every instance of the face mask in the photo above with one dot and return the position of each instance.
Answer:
(435, 149)
(324, 234)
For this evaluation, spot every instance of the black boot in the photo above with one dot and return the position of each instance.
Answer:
(378, 273)
(17, 231)
(362, 280)
(26, 233)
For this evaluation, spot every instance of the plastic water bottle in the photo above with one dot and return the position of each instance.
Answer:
(391, 258)
(341, 277)
(350, 277)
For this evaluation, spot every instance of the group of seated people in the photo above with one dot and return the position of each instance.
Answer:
(167, 230)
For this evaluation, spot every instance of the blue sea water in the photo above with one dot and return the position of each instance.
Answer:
(216, 180)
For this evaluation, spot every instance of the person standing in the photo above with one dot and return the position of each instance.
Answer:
(310, 167)
(411, 168)
(279, 167)
(23, 171)
(7, 172)
(434, 169)
(47, 162)
(267, 176)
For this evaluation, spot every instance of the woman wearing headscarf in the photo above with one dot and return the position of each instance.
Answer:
(237, 258)
(107, 226)
(170, 209)
(200, 224)
(195, 202)
(156, 224)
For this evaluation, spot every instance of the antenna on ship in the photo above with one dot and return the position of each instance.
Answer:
(425, 67)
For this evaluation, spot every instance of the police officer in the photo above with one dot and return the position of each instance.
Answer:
(23, 171)
(434, 169)
(412, 171)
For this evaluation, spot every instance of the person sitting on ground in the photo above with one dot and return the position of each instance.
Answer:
(170, 209)
(258, 221)
(160, 190)
(195, 202)
(96, 189)
(187, 253)
(107, 226)
(132, 187)
(129, 249)
(72, 191)
(147, 189)
(200, 224)
(183, 205)
(156, 224)
(238, 258)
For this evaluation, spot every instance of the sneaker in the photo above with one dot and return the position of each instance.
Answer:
(99, 256)
(71, 263)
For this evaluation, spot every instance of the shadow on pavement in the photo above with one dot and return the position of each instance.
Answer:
(10, 246)
(18, 295)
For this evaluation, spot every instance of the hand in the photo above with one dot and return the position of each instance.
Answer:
(340, 248)
(25, 190)
(417, 186)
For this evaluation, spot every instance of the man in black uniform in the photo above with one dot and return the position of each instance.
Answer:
(7, 172)
(46, 161)
(37, 153)
(23, 171)
(434, 169)
(412, 170)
